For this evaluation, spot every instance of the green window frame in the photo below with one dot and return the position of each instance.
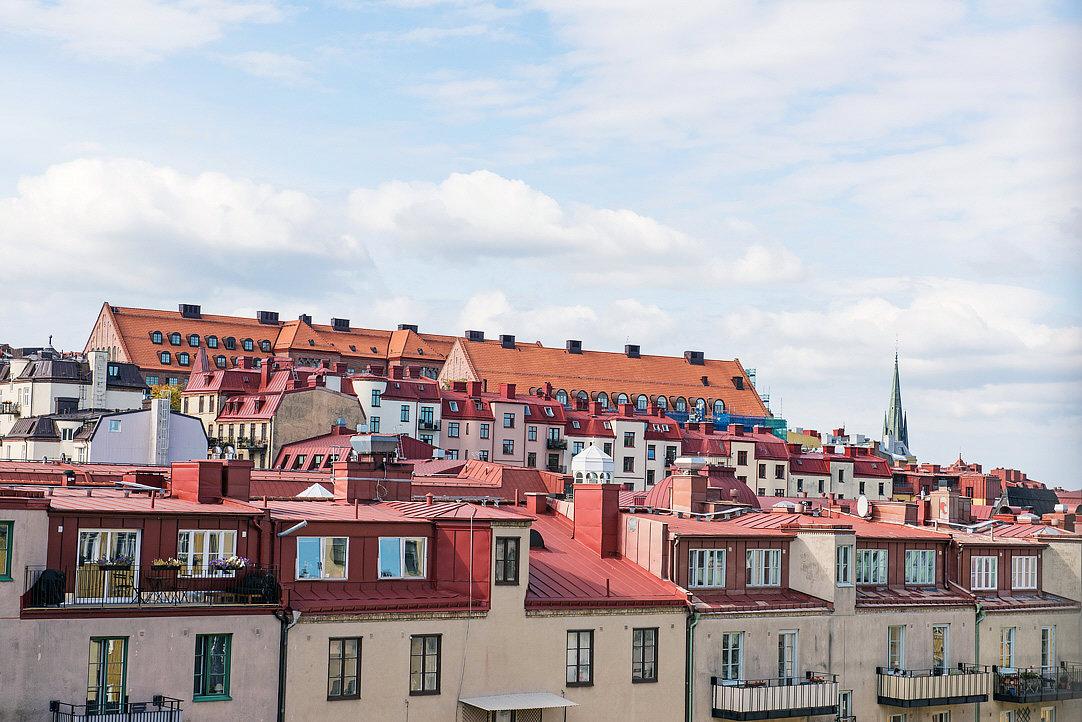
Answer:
(7, 534)
(106, 690)
(213, 654)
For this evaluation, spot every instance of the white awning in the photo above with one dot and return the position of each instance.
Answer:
(522, 700)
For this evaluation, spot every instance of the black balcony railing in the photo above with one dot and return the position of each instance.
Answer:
(159, 709)
(428, 425)
(92, 586)
(556, 468)
(1038, 684)
(555, 443)
(252, 444)
(932, 687)
(9, 407)
(816, 693)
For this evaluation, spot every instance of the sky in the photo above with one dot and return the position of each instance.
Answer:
(806, 186)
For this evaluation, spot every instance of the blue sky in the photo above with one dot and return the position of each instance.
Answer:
(800, 185)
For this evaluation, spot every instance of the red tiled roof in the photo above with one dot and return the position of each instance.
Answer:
(1032, 530)
(567, 574)
(809, 463)
(533, 365)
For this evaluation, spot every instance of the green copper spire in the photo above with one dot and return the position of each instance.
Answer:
(895, 426)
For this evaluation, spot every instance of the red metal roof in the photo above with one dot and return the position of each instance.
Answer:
(909, 596)
(781, 600)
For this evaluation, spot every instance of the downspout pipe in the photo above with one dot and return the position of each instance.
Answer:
(287, 618)
(689, 666)
(977, 619)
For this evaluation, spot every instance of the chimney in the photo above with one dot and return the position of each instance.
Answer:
(305, 319)
(269, 318)
(737, 429)
(209, 481)
(340, 324)
(99, 378)
(473, 389)
(597, 517)
(407, 327)
(507, 391)
(371, 479)
(190, 310)
(396, 372)
(507, 340)
(705, 380)
(595, 408)
(536, 502)
(738, 383)
(695, 358)
(631, 350)
(626, 409)
(265, 370)
(475, 335)
(160, 416)
(574, 346)
(689, 492)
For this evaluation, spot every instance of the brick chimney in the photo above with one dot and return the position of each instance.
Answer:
(209, 481)
(396, 372)
(536, 502)
(689, 492)
(597, 517)
(627, 409)
(371, 479)
(737, 429)
(596, 408)
(507, 391)
(474, 388)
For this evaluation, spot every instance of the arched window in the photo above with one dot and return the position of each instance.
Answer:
(174, 338)
(212, 342)
(165, 357)
(248, 344)
(230, 343)
(561, 396)
(700, 406)
(583, 396)
(662, 402)
(719, 407)
(264, 346)
(183, 358)
(193, 340)
(681, 404)
(621, 398)
(156, 337)
(603, 399)
(641, 402)
(219, 361)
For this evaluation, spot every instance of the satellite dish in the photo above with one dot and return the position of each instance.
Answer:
(862, 506)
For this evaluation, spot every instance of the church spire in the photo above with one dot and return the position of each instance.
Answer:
(895, 426)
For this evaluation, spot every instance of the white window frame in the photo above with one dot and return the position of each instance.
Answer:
(422, 556)
(1024, 572)
(323, 541)
(874, 571)
(1048, 649)
(944, 716)
(704, 570)
(923, 567)
(732, 656)
(946, 645)
(984, 573)
(843, 565)
(1050, 716)
(898, 717)
(764, 567)
(896, 646)
(200, 566)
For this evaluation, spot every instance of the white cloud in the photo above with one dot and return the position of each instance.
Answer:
(132, 29)
(273, 66)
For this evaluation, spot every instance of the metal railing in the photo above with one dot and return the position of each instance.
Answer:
(816, 693)
(428, 425)
(927, 687)
(556, 468)
(92, 585)
(159, 709)
(555, 443)
(9, 407)
(1038, 684)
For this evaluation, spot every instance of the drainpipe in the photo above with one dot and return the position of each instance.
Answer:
(978, 618)
(287, 618)
(689, 671)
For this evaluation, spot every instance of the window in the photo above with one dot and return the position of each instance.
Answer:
(1048, 649)
(706, 568)
(152, 380)
(920, 566)
(247, 344)
(373, 424)
(322, 557)
(174, 339)
(603, 399)
(212, 342)
(212, 667)
(482, 455)
(156, 337)
(184, 359)
(662, 402)
(629, 464)
(607, 446)
(343, 668)
(580, 652)
(7, 530)
(452, 405)
(681, 404)
(629, 439)
(845, 704)
(165, 357)
(451, 454)
(453, 429)
(944, 716)
(843, 565)
(644, 653)
(872, 566)
(764, 567)
(230, 343)
(882, 489)
(577, 446)
(896, 646)
(1005, 716)
(507, 560)
(193, 340)
(860, 489)
(1048, 714)
(732, 655)
(115, 426)
(508, 421)
(940, 647)
(107, 675)
(984, 573)
(548, 411)
(779, 471)
(531, 433)
(425, 663)
(651, 452)
(531, 459)
(762, 471)
(484, 431)
(841, 476)
(196, 548)
(265, 346)
(219, 361)
(377, 397)
(742, 458)
(508, 447)
(1006, 647)
(404, 412)
(402, 557)
(1024, 572)
(898, 717)
(641, 402)
(787, 656)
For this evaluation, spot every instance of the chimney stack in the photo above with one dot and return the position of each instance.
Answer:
(597, 517)
(631, 350)
(574, 346)
(507, 340)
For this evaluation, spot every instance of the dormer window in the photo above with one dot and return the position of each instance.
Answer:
(248, 344)
(183, 358)
(165, 357)
(575, 425)
(606, 424)
(219, 361)
(174, 338)
(452, 405)
(478, 405)
(212, 342)
(230, 343)
(193, 340)
(549, 412)
(156, 337)
(265, 346)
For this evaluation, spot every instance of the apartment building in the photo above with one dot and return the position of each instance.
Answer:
(403, 402)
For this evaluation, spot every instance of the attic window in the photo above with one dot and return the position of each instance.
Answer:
(453, 405)
(219, 361)
(574, 424)
(264, 346)
(478, 405)
(549, 411)
(174, 338)
(373, 349)
(212, 342)
(352, 347)
(156, 337)
(248, 344)
(230, 343)
(607, 425)
(193, 340)
(664, 427)
(311, 342)
(536, 540)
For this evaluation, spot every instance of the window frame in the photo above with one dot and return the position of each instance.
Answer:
(422, 558)
(1029, 561)
(984, 567)
(1008, 647)
(880, 567)
(424, 655)
(106, 706)
(898, 644)
(202, 670)
(500, 572)
(759, 569)
(732, 656)
(578, 665)
(342, 676)
(700, 568)
(921, 568)
(843, 560)
(322, 554)
(188, 557)
(7, 554)
(639, 649)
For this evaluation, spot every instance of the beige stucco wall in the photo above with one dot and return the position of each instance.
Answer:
(1062, 568)
(305, 414)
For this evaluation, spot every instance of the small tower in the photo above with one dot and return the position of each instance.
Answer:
(895, 424)
(591, 466)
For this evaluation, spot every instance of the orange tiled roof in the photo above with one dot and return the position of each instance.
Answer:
(532, 365)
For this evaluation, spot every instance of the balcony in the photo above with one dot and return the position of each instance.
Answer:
(1038, 684)
(755, 699)
(555, 443)
(92, 586)
(244, 442)
(932, 687)
(556, 468)
(159, 709)
(10, 408)
(428, 425)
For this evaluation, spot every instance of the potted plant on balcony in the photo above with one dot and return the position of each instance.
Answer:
(229, 564)
(170, 564)
(120, 562)
(815, 679)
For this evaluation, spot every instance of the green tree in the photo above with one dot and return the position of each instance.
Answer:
(167, 391)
